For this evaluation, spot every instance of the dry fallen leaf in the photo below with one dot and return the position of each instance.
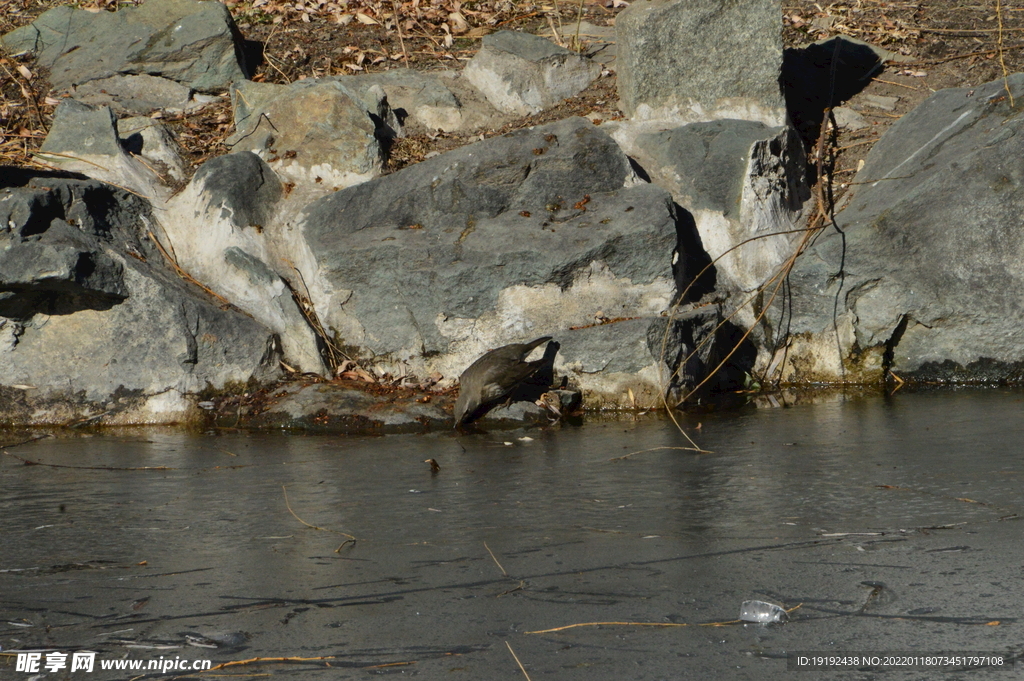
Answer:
(458, 23)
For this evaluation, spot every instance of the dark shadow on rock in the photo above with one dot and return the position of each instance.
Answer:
(385, 133)
(133, 143)
(21, 177)
(889, 356)
(693, 345)
(250, 53)
(983, 371)
(639, 170)
(733, 375)
(691, 264)
(22, 303)
(823, 76)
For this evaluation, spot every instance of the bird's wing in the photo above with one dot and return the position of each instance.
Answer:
(492, 392)
(508, 375)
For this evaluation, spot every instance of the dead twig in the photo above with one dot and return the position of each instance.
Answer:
(966, 55)
(999, 45)
(185, 275)
(398, 29)
(333, 355)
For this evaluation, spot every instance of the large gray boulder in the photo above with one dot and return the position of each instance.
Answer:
(223, 229)
(319, 135)
(92, 321)
(924, 273)
(141, 94)
(742, 182)
(194, 43)
(522, 74)
(519, 236)
(701, 60)
(85, 139)
(436, 100)
(150, 140)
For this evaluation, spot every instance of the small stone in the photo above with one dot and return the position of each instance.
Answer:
(880, 102)
(849, 119)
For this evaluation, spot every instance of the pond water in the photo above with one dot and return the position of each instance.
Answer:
(895, 524)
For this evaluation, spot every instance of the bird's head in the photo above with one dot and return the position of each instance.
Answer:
(464, 406)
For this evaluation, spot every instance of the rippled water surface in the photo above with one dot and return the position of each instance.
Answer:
(893, 523)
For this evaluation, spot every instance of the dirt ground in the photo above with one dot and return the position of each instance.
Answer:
(949, 44)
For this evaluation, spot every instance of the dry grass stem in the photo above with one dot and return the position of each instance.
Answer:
(495, 559)
(516, 657)
(185, 275)
(1002, 56)
(892, 82)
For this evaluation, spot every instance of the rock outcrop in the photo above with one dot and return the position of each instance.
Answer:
(641, 245)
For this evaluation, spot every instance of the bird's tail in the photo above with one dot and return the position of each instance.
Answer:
(536, 343)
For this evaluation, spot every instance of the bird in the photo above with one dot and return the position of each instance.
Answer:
(504, 373)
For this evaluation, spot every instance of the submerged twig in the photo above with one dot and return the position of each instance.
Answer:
(622, 624)
(310, 525)
(654, 449)
(646, 624)
(257, 660)
(25, 442)
(29, 462)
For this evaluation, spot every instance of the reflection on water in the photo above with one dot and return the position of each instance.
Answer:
(894, 523)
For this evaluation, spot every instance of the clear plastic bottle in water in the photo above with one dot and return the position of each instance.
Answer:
(759, 611)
